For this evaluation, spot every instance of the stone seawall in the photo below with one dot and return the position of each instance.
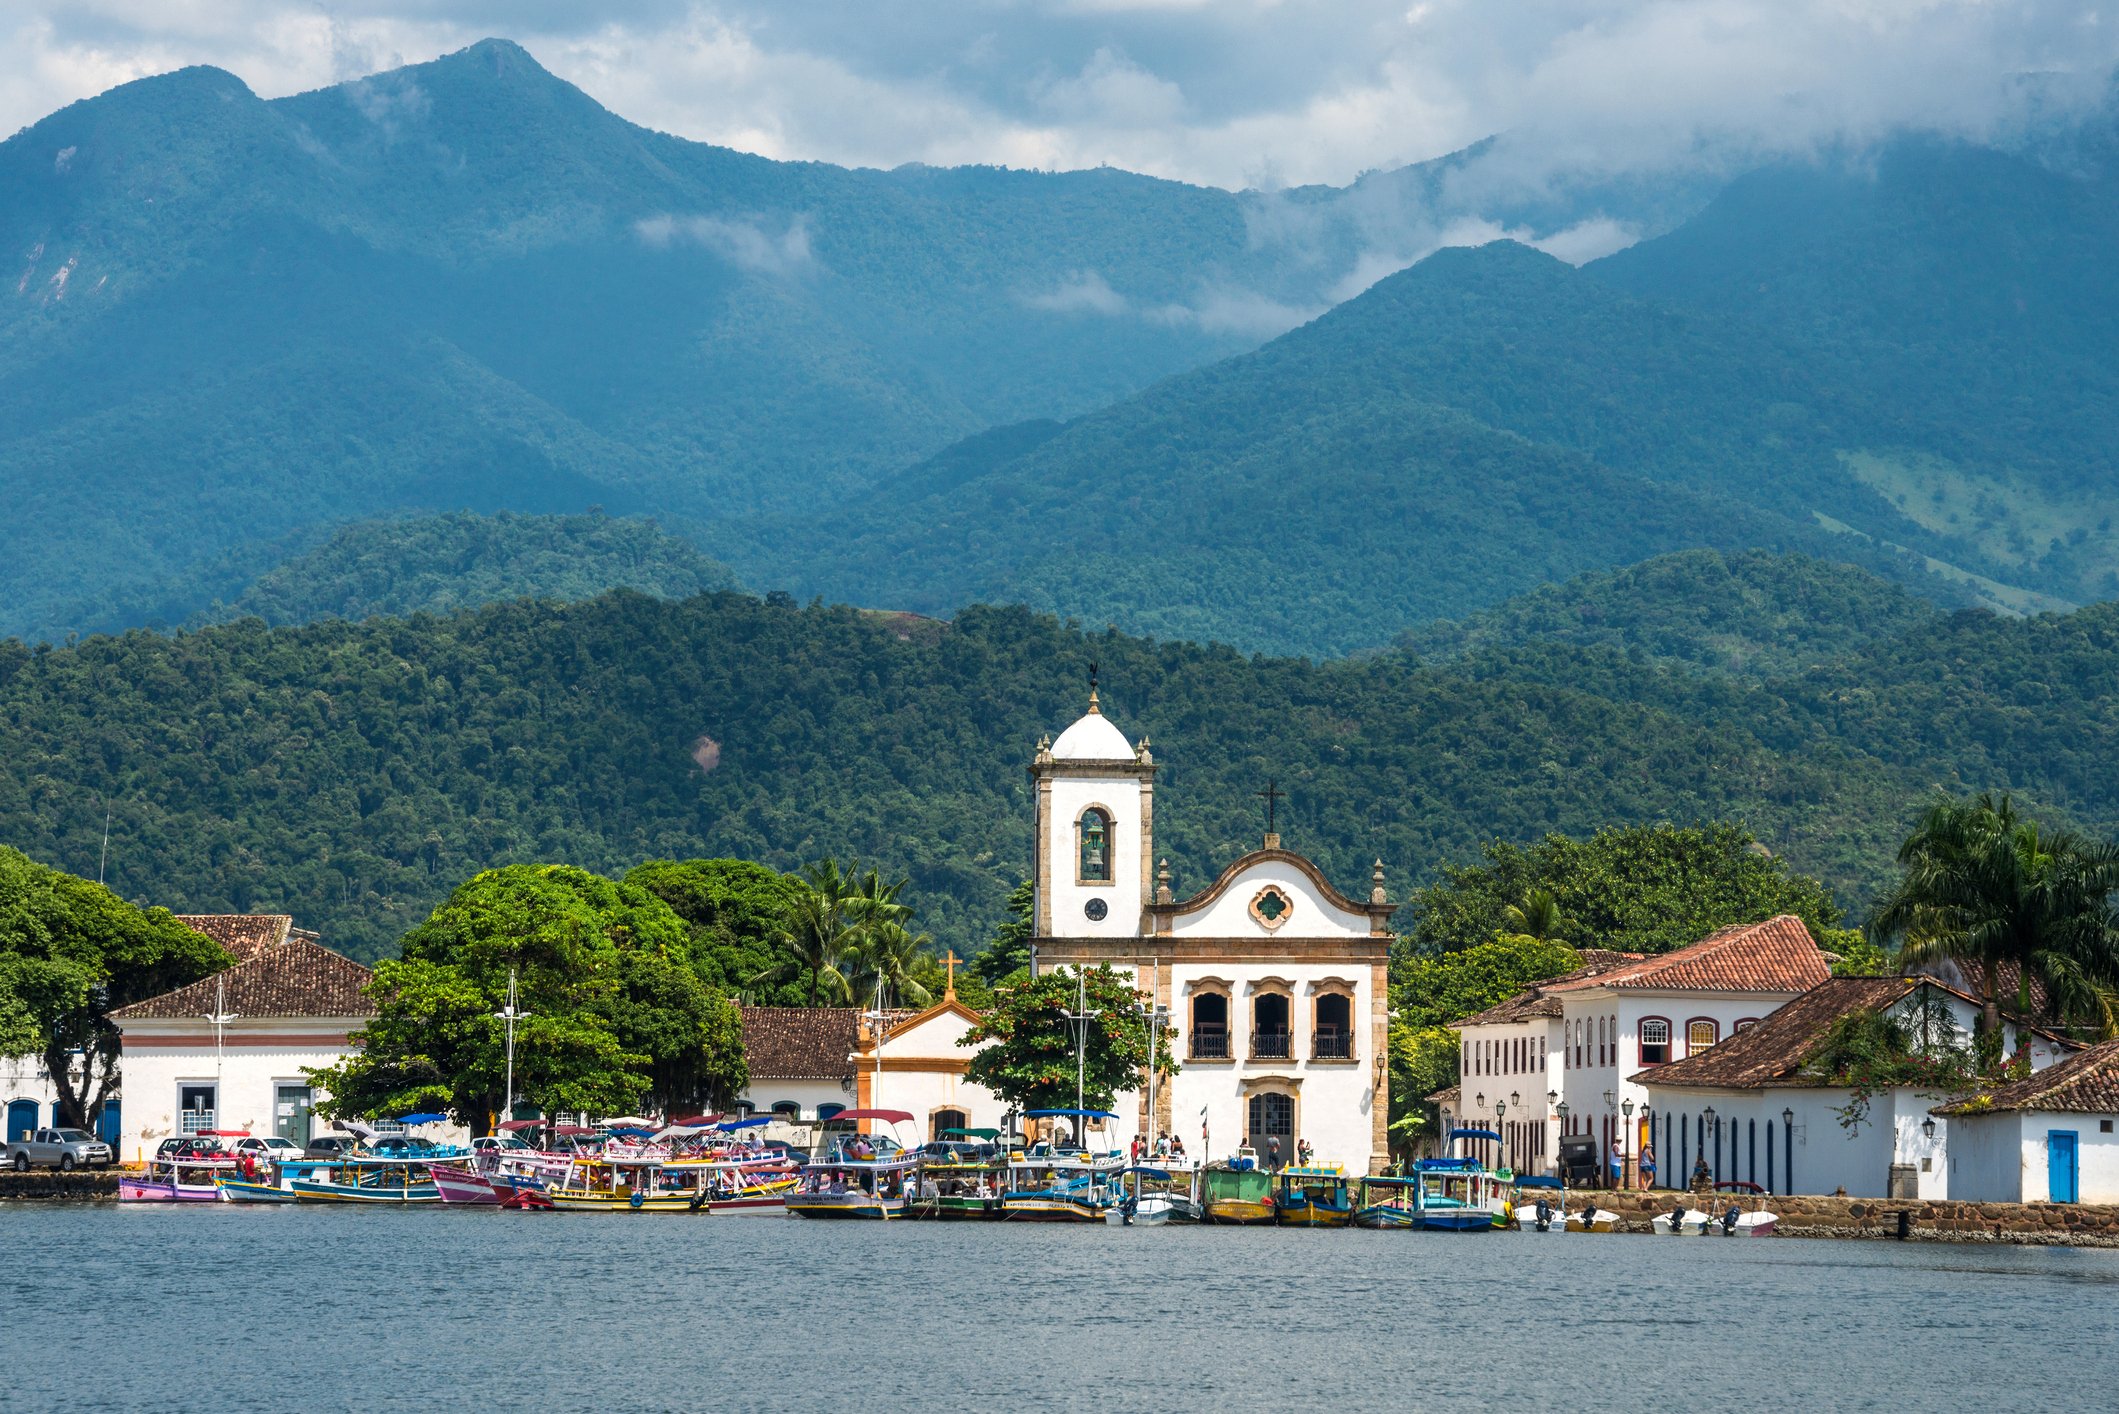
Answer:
(1927, 1220)
(52, 1186)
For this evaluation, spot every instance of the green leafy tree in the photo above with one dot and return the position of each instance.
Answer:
(1008, 951)
(1435, 991)
(1853, 954)
(734, 909)
(889, 953)
(832, 911)
(1424, 1060)
(1537, 916)
(1984, 887)
(1031, 1061)
(1636, 888)
(617, 1018)
(71, 953)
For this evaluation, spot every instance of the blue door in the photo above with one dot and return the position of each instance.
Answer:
(21, 1119)
(2060, 1165)
(108, 1125)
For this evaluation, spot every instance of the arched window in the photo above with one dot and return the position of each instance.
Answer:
(1743, 1025)
(1209, 1034)
(1272, 1037)
(1332, 1029)
(787, 1109)
(1094, 829)
(942, 1121)
(1655, 1040)
(828, 1111)
(1700, 1033)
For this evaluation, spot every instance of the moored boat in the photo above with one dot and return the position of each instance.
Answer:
(1238, 1195)
(186, 1180)
(456, 1184)
(1681, 1221)
(1454, 1195)
(1593, 1219)
(597, 1183)
(1312, 1195)
(1062, 1186)
(1387, 1201)
(365, 1179)
(858, 1176)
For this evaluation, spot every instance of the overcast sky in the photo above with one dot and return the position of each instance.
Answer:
(1229, 92)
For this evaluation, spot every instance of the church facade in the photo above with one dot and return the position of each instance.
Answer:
(1273, 981)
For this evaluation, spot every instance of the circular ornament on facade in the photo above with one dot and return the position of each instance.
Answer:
(1096, 908)
(1272, 906)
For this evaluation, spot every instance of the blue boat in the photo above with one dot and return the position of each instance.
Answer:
(1388, 1202)
(1455, 1195)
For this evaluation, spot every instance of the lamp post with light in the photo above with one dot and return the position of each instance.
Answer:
(1552, 1098)
(1479, 1106)
(1500, 1141)
(1626, 1144)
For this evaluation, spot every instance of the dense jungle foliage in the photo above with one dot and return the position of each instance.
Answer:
(351, 773)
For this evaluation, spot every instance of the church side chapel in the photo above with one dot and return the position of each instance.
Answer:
(1274, 982)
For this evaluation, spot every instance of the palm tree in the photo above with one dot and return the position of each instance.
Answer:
(824, 924)
(1537, 916)
(1984, 888)
(888, 952)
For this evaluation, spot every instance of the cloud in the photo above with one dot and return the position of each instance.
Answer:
(1214, 309)
(1229, 93)
(1082, 292)
(745, 244)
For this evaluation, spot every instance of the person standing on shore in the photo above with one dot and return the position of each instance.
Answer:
(1648, 1166)
(1618, 1165)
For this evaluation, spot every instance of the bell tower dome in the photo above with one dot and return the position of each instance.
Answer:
(1095, 830)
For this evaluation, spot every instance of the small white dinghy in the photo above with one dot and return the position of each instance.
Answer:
(1593, 1219)
(1735, 1222)
(1681, 1222)
(1544, 1215)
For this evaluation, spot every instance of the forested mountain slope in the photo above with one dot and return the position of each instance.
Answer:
(464, 284)
(431, 564)
(351, 772)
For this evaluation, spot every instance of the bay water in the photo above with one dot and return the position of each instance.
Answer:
(276, 1308)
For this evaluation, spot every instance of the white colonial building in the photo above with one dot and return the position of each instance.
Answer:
(228, 1052)
(1273, 980)
(1566, 1056)
(2047, 1138)
(1758, 1110)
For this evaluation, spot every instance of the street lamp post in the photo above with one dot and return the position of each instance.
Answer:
(1500, 1139)
(511, 1016)
(1552, 1097)
(1562, 1109)
(1699, 1160)
(1626, 1143)
(1081, 1017)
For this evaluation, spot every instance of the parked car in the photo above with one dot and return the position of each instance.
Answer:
(331, 1146)
(190, 1146)
(62, 1149)
(268, 1146)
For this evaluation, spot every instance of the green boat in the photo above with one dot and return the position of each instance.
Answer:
(1239, 1195)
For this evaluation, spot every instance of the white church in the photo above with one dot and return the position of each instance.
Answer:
(1274, 982)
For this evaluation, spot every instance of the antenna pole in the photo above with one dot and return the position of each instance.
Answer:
(104, 862)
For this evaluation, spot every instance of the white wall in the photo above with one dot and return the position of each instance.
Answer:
(762, 1095)
(1488, 1063)
(23, 1078)
(932, 1048)
(1313, 916)
(2001, 1157)
(1827, 1155)
(1120, 797)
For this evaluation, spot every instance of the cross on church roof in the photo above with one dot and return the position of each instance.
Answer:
(1272, 796)
(949, 987)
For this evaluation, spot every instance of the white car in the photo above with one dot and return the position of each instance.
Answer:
(269, 1146)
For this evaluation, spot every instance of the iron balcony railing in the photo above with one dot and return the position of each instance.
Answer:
(1210, 1043)
(1331, 1043)
(1272, 1045)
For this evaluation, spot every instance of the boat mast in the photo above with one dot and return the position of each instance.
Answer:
(1080, 1017)
(220, 1017)
(511, 1016)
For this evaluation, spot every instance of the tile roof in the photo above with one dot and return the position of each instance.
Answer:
(295, 978)
(2085, 1083)
(243, 934)
(1538, 1000)
(799, 1043)
(1778, 955)
(1446, 1097)
(1773, 1052)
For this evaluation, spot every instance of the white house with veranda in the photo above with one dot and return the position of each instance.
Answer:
(1274, 982)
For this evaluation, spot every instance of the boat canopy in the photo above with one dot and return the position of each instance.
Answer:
(1539, 1181)
(632, 1131)
(1161, 1174)
(515, 1124)
(697, 1119)
(421, 1117)
(1064, 1114)
(1475, 1134)
(573, 1131)
(225, 1133)
(887, 1116)
(730, 1126)
(989, 1135)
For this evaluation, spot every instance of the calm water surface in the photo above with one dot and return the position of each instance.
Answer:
(230, 1308)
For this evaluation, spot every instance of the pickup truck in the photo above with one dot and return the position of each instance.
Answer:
(62, 1149)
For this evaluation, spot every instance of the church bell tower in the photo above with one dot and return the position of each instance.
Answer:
(1095, 796)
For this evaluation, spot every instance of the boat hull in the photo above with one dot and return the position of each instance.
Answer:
(1693, 1224)
(375, 1197)
(1314, 1215)
(1456, 1220)
(1240, 1212)
(845, 1205)
(1387, 1217)
(148, 1190)
(243, 1190)
(462, 1186)
(1601, 1220)
(584, 1202)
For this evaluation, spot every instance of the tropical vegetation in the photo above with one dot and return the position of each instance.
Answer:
(1071, 1037)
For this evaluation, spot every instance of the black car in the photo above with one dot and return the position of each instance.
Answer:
(330, 1146)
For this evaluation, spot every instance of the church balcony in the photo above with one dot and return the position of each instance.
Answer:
(1330, 1043)
(1209, 1043)
(1272, 1045)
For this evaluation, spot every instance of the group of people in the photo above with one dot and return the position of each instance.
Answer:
(1644, 1166)
(1167, 1146)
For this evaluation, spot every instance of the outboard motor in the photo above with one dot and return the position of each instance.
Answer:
(1677, 1218)
(1729, 1221)
(1544, 1218)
